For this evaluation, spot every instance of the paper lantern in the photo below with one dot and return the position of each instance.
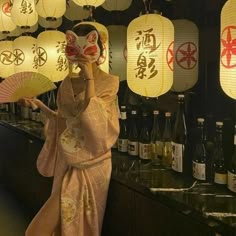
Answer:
(118, 50)
(94, 3)
(228, 49)
(186, 55)
(52, 9)
(52, 61)
(6, 23)
(104, 59)
(49, 23)
(24, 49)
(116, 5)
(150, 52)
(23, 13)
(75, 12)
(6, 58)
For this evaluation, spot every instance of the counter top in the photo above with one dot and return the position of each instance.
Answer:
(209, 203)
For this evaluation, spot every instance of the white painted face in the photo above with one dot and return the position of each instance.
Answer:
(85, 45)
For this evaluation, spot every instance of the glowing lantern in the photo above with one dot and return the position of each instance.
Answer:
(228, 49)
(6, 58)
(6, 23)
(52, 61)
(118, 50)
(94, 3)
(49, 23)
(51, 9)
(23, 13)
(104, 58)
(150, 52)
(186, 55)
(116, 5)
(24, 48)
(75, 12)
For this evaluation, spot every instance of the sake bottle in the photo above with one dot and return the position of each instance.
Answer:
(166, 142)
(123, 135)
(179, 139)
(199, 153)
(145, 139)
(220, 171)
(231, 183)
(156, 144)
(133, 141)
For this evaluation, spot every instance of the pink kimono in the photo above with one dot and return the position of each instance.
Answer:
(77, 152)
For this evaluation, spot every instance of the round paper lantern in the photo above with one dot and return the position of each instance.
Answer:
(6, 58)
(52, 9)
(75, 12)
(52, 61)
(23, 13)
(116, 5)
(16, 32)
(94, 3)
(104, 59)
(6, 23)
(24, 49)
(228, 49)
(150, 52)
(118, 50)
(49, 23)
(186, 55)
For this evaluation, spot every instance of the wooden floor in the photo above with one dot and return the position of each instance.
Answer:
(13, 216)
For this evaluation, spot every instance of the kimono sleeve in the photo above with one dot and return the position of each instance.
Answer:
(99, 121)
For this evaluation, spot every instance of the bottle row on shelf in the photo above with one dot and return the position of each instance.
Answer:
(28, 113)
(173, 147)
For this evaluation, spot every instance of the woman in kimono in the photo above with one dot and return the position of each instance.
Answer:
(77, 149)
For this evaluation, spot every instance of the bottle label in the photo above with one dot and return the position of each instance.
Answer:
(145, 151)
(199, 170)
(133, 148)
(232, 181)
(220, 178)
(159, 147)
(177, 156)
(123, 145)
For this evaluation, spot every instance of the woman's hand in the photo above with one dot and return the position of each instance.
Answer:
(34, 103)
(86, 67)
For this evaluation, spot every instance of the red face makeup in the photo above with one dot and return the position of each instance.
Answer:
(85, 45)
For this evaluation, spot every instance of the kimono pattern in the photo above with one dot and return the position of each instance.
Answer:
(77, 152)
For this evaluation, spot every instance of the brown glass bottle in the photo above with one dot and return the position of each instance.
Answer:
(179, 140)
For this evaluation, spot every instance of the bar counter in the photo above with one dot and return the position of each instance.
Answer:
(183, 205)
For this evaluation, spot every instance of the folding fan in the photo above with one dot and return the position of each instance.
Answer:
(24, 84)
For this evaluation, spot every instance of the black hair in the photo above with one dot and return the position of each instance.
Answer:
(84, 29)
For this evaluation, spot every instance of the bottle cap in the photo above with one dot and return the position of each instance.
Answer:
(134, 112)
(167, 114)
(200, 120)
(180, 95)
(219, 123)
(155, 112)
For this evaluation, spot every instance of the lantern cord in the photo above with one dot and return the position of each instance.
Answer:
(145, 5)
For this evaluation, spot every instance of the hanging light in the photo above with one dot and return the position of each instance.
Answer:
(150, 50)
(6, 23)
(118, 50)
(24, 49)
(186, 55)
(52, 61)
(228, 49)
(94, 3)
(51, 9)
(116, 5)
(104, 58)
(23, 13)
(6, 58)
(47, 23)
(75, 12)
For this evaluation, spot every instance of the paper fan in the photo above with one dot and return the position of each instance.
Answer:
(24, 84)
